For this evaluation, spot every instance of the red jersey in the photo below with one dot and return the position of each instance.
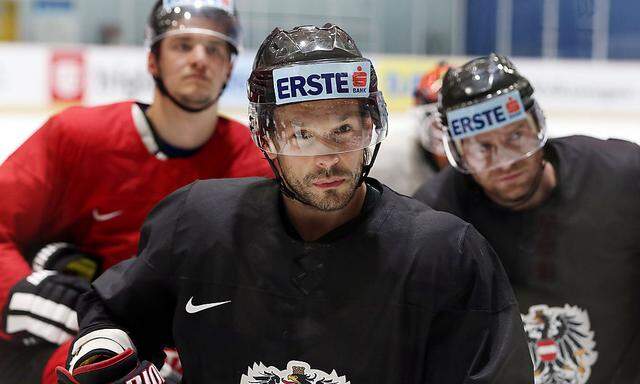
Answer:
(90, 176)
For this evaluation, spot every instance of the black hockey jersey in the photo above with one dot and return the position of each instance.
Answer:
(402, 294)
(574, 261)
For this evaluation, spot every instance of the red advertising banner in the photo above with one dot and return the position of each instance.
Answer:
(67, 76)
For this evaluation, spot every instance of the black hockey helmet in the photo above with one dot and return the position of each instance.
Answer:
(300, 45)
(489, 81)
(482, 78)
(305, 64)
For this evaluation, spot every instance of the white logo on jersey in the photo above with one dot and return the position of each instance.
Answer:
(105, 217)
(149, 376)
(561, 344)
(190, 308)
(296, 372)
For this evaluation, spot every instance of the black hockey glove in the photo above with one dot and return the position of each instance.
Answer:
(120, 369)
(67, 259)
(41, 308)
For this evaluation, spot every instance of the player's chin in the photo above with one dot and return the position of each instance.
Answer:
(329, 200)
(330, 204)
(197, 100)
(514, 193)
(197, 89)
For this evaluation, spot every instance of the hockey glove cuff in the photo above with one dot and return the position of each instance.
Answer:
(123, 368)
(41, 308)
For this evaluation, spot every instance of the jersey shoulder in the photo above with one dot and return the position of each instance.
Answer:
(444, 254)
(230, 198)
(92, 125)
(587, 156)
(425, 224)
(233, 142)
(234, 131)
(445, 191)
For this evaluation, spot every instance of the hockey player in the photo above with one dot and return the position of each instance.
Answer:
(85, 181)
(412, 157)
(428, 126)
(322, 275)
(563, 215)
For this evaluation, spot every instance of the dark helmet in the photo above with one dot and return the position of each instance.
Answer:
(170, 17)
(306, 64)
(486, 81)
(481, 79)
(304, 44)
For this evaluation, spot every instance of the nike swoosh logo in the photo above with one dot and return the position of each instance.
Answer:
(105, 217)
(190, 308)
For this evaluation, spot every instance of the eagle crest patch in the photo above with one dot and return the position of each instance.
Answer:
(297, 372)
(561, 344)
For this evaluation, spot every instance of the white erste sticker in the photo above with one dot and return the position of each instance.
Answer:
(491, 114)
(321, 81)
(226, 5)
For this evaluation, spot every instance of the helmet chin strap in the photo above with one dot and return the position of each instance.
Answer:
(288, 192)
(284, 188)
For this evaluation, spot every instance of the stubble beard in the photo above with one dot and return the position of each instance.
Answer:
(329, 200)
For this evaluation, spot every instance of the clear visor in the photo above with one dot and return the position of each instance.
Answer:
(194, 30)
(428, 128)
(500, 147)
(207, 21)
(319, 127)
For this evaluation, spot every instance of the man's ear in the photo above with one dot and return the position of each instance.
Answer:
(152, 64)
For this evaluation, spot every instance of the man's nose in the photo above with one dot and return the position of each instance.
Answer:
(199, 55)
(327, 161)
(506, 159)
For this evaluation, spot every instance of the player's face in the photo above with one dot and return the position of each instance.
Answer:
(193, 67)
(511, 180)
(328, 181)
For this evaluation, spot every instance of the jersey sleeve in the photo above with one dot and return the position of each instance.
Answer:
(478, 336)
(138, 295)
(31, 181)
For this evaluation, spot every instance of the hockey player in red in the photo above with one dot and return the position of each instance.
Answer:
(79, 189)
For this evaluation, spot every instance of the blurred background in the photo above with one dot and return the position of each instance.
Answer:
(582, 56)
